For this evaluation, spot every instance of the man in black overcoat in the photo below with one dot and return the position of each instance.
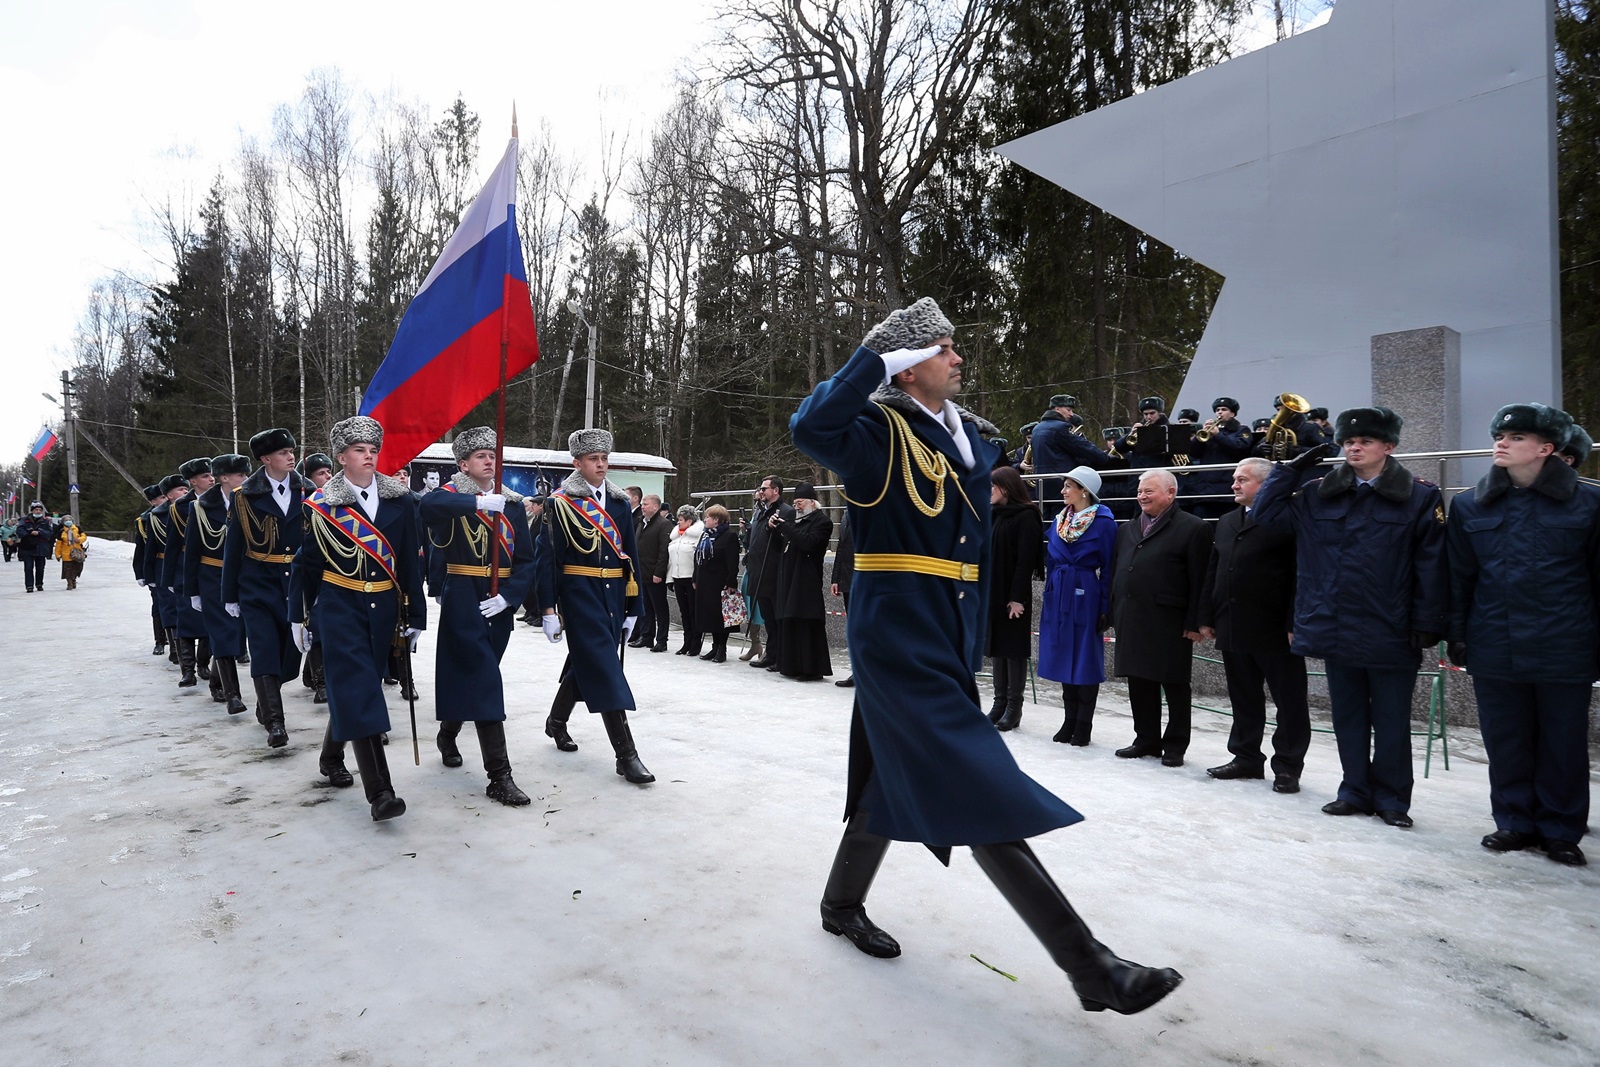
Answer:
(654, 528)
(761, 556)
(1248, 607)
(1158, 570)
(804, 542)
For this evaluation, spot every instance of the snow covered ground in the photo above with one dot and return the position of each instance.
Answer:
(171, 890)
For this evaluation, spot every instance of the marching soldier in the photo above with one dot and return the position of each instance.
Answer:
(473, 528)
(160, 527)
(315, 469)
(584, 563)
(194, 650)
(357, 580)
(202, 576)
(264, 527)
(141, 546)
(925, 765)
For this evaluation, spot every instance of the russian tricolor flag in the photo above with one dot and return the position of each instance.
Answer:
(46, 441)
(445, 358)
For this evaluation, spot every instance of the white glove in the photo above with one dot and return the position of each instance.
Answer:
(411, 635)
(551, 624)
(194, 602)
(301, 635)
(492, 607)
(171, 589)
(231, 609)
(142, 582)
(905, 358)
(491, 502)
(627, 626)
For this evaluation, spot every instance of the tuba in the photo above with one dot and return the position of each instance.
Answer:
(1281, 440)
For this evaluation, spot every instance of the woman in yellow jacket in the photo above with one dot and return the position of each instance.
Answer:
(69, 537)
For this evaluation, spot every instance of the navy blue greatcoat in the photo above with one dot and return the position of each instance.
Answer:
(468, 686)
(1057, 449)
(190, 623)
(357, 627)
(160, 521)
(592, 609)
(141, 552)
(255, 571)
(925, 763)
(202, 572)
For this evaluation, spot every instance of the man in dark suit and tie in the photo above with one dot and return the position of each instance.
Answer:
(1158, 569)
(1248, 607)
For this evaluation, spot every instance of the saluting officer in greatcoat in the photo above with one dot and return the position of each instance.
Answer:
(202, 576)
(473, 528)
(194, 649)
(584, 565)
(264, 530)
(357, 581)
(925, 764)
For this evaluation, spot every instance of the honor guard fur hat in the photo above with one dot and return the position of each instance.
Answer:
(171, 482)
(1225, 402)
(152, 492)
(1064, 400)
(201, 465)
(917, 326)
(1088, 478)
(317, 461)
(1375, 422)
(231, 463)
(469, 441)
(268, 441)
(1552, 424)
(588, 442)
(1579, 444)
(1152, 403)
(356, 430)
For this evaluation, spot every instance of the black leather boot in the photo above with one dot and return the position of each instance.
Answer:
(844, 911)
(187, 679)
(1101, 979)
(330, 763)
(628, 764)
(219, 692)
(375, 782)
(492, 741)
(449, 730)
(269, 709)
(1016, 672)
(555, 725)
(161, 636)
(202, 658)
(228, 669)
(172, 645)
(1088, 695)
(1002, 685)
(1069, 722)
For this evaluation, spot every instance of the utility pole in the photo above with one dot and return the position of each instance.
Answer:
(72, 444)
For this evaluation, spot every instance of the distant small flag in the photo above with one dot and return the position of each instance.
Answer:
(27, 481)
(11, 497)
(42, 446)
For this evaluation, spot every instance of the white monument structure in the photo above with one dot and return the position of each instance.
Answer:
(1391, 171)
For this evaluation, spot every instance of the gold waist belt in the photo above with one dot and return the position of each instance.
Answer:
(592, 572)
(475, 572)
(342, 582)
(211, 561)
(161, 555)
(269, 557)
(939, 568)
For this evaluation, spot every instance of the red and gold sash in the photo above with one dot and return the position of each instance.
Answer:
(354, 524)
(502, 528)
(595, 515)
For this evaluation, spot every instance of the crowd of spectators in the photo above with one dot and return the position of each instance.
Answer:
(36, 537)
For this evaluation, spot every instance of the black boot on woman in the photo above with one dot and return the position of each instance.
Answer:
(1016, 672)
(1069, 701)
(1087, 696)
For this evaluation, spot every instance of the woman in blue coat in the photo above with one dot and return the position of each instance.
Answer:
(1077, 601)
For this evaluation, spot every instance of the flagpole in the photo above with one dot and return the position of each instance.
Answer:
(500, 403)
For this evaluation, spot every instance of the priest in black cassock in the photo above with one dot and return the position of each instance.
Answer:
(803, 653)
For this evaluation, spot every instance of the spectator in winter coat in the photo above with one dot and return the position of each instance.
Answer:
(68, 538)
(716, 569)
(1016, 552)
(654, 527)
(35, 537)
(1077, 601)
(681, 542)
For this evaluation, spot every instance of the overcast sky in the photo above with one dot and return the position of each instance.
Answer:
(113, 106)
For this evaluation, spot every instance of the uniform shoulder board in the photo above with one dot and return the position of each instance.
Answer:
(1424, 481)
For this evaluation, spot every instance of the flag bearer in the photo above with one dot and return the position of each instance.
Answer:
(264, 528)
(357, 580)
(194, 650)
(469, 524)
(202, 576)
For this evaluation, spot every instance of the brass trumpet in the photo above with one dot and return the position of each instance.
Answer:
(1203, 434)
(1279, 438)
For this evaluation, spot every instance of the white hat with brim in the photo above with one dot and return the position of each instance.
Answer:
(1088, 479)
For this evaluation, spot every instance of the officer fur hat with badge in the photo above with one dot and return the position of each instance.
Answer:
(269, 441)
(230, 463)
(194, 467)
(1378, 423)
(356, 430)
(317, 461)
(1152, 403)
(476, 439)
(1542, 421)
(906, 331)
(588, 442)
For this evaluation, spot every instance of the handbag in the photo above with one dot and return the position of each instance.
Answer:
(733, 610)
(77, 554)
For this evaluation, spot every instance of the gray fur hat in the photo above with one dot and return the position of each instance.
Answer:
(1552, 424)
(914, 327)
(356, 430)
(469, 441)
(588, 442)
